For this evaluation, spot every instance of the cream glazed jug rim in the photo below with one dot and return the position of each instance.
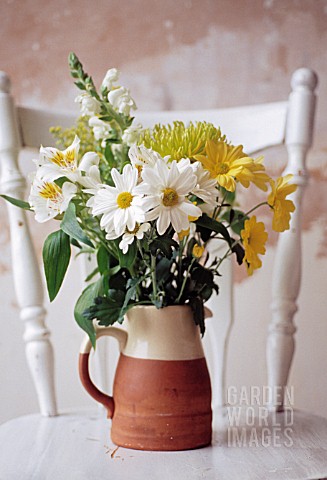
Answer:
(207, 311)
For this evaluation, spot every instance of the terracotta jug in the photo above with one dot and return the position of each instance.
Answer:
(161, 394)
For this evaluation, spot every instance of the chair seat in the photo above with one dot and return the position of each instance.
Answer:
(77, 446)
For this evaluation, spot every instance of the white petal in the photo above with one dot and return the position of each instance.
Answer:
(50, 172)
(163, 221)
(179, 219)
(89, 159)
(142, 229)
(74, 146)
(190, 209)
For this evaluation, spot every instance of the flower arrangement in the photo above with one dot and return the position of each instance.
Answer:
(148, 203)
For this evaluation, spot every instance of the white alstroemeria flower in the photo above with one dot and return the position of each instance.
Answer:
(140, 156)
(166, 193)
(206, 187)
(110, 78)
(88, 104)
(121, 100)
(129, 236)
(120, 206)
(48, 200)
(91, 178)
(132, 134)
(54, 163)
(101, 129)
(89, 160)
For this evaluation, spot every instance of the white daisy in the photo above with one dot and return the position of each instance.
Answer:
(129, 236)
(120, 206)
(206, 187)
(166, 193)
(48, 200)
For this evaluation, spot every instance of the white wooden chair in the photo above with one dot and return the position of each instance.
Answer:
(70, 446)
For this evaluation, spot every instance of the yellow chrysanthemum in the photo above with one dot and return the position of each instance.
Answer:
(227, 163)
(254, 238)
(180, 141)
(224, 162)
(281, 206)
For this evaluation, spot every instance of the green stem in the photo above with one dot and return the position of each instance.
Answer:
(153, 275)
(218, 209)
(227, 254)
(184, 282)
(250, 211)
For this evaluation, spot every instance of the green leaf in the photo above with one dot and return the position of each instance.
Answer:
(109, 155)
(60, 181)
(80, 85)
(163, 269)
(106, 309)
(132, 285)
(236, 218)
(17, 202)
(71, 226)
(239, 252)
(56, 256)
(164, 244)
(229, 197)
(196, 305)
(85, 300)
(215, 226)
(103, 259)
(190, 246)
(126, 260)
(91, 275)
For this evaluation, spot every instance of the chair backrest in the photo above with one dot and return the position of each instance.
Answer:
(256, 127)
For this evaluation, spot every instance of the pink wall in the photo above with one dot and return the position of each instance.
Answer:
(173, 55)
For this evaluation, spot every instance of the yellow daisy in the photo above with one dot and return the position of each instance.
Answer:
(281, 206)
(224, 162)
(254, 238)
(254, 172)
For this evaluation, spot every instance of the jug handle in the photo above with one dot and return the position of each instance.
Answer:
(84, 373)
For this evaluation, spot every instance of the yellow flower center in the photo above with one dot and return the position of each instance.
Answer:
(170, 197)
(50, 191)
(59, 159)
(136, 229)
(65, 160)
(124, 200)
(222, 169)
(70, 157)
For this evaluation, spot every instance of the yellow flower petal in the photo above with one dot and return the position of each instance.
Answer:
(281, 206)
(197, 251)
(254, 238)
